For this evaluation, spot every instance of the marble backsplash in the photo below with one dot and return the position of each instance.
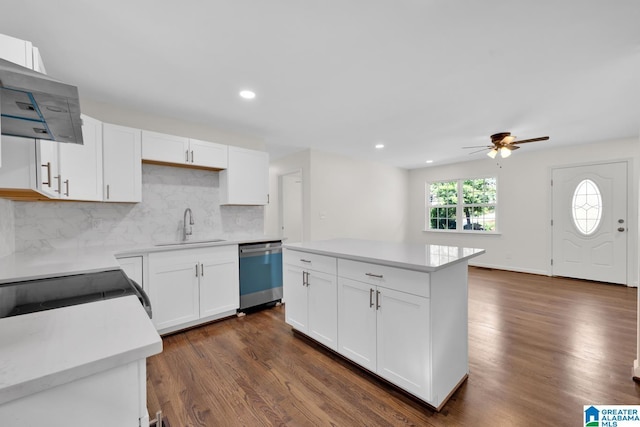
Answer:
(166, 193)
(7, 228)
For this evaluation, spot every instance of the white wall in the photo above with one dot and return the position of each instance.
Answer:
(343, 197)
(141, 120)
(524, 203)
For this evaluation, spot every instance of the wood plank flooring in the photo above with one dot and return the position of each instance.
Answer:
(539, 349)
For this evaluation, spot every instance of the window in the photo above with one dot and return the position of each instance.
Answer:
(587, 207)
(463, 204)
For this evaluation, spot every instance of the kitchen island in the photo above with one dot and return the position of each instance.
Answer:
(399, 310)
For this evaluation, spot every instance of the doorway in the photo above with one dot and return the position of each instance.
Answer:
(589, 222)
(291, 207)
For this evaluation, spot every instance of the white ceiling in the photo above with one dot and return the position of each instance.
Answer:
(424, 77)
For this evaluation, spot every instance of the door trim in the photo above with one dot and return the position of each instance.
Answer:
(632, 215)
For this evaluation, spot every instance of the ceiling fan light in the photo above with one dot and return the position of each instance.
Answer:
(508, 139)
(504, 152)
(492, 153)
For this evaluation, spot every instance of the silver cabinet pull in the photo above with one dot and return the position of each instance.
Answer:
(48, 166)
(191, 156)
(305, 260)
(379, 276)
(201, 269)
(107, 191)
(66, 183)
(370, 297)
(59, 178)
(197, 271)
(186, 153)
(377, 300)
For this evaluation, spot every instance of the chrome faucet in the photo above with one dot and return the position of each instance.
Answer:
(187, 229)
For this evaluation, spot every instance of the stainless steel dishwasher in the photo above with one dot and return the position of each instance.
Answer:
(260, 273)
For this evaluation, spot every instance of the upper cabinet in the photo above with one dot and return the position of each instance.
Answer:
(40, 170)
(18, 51)
(174, 150)
(80, 166)
(121, 160)
(246, 179)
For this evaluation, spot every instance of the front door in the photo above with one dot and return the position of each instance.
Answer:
(589, 208)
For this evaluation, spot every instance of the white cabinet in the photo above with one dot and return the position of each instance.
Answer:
(38, 169)
(246, 179)
(133, 268)
(179, 151)
(191, 286)
(122, 163)
(115, 397)
(383, 329)
(17, 51)
(80, 166)
(310, 294)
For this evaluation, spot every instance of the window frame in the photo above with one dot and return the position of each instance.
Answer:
(459, 206)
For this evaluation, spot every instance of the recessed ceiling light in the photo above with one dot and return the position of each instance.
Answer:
(379, 146)
(429, 161)
(247, 94)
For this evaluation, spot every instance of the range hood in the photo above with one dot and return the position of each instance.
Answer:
(33, 105)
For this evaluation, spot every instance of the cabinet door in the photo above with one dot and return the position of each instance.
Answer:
(246, 180)
(81, 165)
(16, 50)
(173, 288)
(219, 282)
(49, 174)
(403, 341)
(322, 303)
(209, 154)
(18, 170)
(357, 322)
(132, 266)
(162, 148)
(295, 295)
(122, 163)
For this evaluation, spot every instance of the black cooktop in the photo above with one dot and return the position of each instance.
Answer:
(63, 291)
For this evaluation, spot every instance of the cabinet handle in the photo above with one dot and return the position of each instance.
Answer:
(66, 183)
(377, 300)
(59, 178)
(304, 278)
(370, 297)
(48, 166)
(191, 156)
(186, 153)
(202, 270)
(197, 270)
(379, 276)
(107, 191)
(305, 260)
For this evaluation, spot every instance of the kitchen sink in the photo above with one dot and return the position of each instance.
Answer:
(189, 242)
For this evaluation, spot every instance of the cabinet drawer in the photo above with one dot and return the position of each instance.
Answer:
(399, 279)
(309, 261)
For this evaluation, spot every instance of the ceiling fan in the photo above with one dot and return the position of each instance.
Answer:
(504, 143)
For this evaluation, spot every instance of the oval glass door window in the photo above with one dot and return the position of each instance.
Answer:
(587, 207)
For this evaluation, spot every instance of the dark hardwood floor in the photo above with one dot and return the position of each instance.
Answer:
(539, 349)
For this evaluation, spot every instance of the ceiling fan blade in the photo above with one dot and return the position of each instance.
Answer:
(512, 147)
(477, 151)
(478, 146)
(542, 138)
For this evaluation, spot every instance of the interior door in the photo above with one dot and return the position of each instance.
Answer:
(291, 209)
(589, 205)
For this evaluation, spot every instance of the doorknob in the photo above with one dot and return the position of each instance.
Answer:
(620, 228)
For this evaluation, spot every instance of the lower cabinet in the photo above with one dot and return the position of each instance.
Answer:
(386, 332)
(191, 286)
(311, 296)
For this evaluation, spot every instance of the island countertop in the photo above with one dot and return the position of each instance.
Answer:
(411, 256)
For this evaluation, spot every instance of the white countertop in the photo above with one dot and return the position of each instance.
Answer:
(49, 348)
(412, 256)
(31, 265)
